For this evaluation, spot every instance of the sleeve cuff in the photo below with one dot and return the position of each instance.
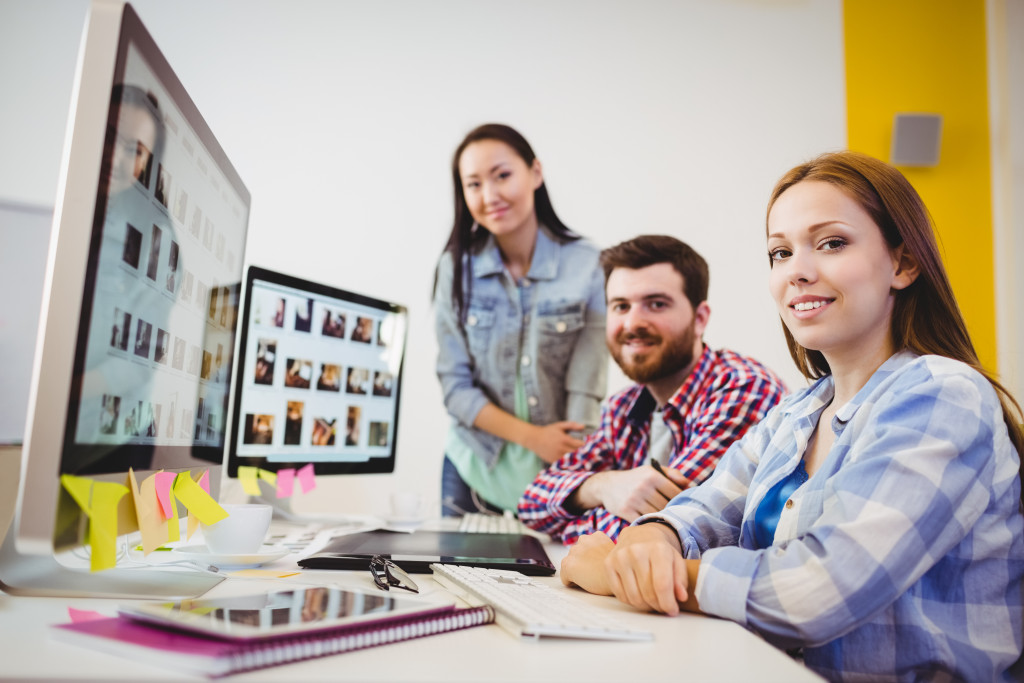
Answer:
(724, 580)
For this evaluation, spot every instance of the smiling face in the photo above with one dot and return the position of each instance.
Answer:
(833, 274)
(652, 331)
(498, 186)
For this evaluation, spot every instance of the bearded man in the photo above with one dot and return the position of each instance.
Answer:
(667, 431)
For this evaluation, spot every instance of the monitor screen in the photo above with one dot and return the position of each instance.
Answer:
(132, 367)
(156, 336)
(319, 378)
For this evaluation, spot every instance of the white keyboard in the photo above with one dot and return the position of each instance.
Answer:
(483, 523)
(524, 606)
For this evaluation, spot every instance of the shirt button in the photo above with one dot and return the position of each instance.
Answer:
(526, 282)
(525, 360)
(789, 503)
(533, 400)
(561, 326)
(471, 320)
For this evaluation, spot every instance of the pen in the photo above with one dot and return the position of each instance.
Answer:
(657, 465)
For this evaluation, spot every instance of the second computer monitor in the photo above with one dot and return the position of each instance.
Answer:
(318, 378)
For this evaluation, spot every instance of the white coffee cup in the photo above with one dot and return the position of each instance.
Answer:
(406, 505)
(241, 532)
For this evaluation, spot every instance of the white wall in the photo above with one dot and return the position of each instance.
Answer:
(341, 116)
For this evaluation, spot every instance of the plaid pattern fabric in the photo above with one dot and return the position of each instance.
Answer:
(724, 395)
(901, 557)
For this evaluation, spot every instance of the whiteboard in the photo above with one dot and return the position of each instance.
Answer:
(24, 239)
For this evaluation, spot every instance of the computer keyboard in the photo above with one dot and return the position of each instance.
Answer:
(483, 523)
(525, 606)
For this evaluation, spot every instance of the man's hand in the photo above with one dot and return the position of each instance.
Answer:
(551, 442)
(629, 493)
(646, 569)
(584, 566)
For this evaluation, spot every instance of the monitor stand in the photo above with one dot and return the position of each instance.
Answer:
(44, 576)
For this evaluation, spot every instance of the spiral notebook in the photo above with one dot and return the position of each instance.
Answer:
(185, 652)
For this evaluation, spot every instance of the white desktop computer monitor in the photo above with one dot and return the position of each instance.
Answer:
(132, 368)
(318, 379)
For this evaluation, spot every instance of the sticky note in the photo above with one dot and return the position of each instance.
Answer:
(264, 574)
(164, 483)
(79, 615)
(248, 477)
(285, 482)
(148, 513)
(98, 500)
(201, 506)
(269, 477)
(306, 477)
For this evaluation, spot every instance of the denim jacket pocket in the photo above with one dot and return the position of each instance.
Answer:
(479, 329)
(558, 327)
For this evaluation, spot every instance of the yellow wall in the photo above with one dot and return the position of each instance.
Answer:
(930, 56)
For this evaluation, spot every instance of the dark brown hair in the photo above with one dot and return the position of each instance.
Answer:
(648, 250)
(926, 318)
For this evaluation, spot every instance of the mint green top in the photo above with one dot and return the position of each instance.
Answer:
(504, 484)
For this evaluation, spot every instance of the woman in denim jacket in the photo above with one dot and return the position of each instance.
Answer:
(519, 312)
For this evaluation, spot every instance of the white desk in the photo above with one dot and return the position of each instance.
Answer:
(688, 647)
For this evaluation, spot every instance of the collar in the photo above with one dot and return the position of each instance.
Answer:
(681, 401)
(823, 391)
(543, 265)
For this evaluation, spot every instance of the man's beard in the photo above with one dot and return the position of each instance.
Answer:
(658, 362)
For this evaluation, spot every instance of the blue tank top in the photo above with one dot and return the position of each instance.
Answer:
(766, 519)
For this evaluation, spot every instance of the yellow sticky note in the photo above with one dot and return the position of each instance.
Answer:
(103, 523)
(269, 477)
(80, 489)
(199, 503)
(264, 574)
(248, 476)
(148, 512)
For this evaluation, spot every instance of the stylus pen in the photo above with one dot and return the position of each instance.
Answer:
(657, 465)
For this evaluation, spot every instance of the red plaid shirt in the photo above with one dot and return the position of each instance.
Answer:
(724, 395)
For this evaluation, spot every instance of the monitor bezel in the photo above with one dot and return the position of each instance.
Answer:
(373, 465)
(43, 519)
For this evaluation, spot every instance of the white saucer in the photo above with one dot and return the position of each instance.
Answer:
(200, 553)
(399, 520)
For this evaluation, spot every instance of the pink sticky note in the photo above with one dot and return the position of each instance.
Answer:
(285, 482)
(204, 481)
(78, 615)
(164, 482)
(306, 478)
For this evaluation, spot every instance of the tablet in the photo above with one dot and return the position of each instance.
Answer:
(415, 552)
(276, 613)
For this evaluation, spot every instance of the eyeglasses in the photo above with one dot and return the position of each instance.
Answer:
(387, 574)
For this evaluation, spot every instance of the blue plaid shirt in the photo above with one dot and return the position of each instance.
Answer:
(901, 558)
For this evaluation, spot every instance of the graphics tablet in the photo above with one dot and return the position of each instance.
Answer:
(277, 613)
(415, 552)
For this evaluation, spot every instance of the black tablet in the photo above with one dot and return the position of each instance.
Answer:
(417, 551)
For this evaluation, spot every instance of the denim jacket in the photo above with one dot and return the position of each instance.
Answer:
(551, 330)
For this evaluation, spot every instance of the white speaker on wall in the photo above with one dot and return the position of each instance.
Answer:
(915, 139)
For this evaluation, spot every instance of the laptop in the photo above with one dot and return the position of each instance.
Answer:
(415, 552)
